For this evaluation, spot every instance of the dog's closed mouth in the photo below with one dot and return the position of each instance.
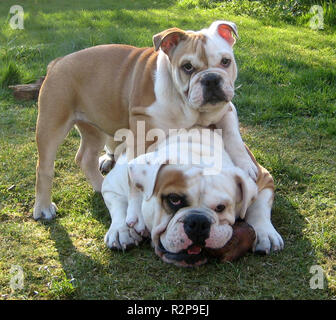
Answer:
(214, 97)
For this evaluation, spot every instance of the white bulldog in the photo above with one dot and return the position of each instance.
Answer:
(185, 208)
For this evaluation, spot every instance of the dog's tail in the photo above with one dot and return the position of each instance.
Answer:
(52, 64)
(49, 67)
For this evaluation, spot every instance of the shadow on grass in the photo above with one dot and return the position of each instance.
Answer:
(82, 266)
(77, 266)
(299, 255)
(128, 22)
(99, 210)
(111, 5)
(283, 88)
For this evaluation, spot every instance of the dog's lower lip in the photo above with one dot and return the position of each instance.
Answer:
(194, 250)
(192, 258)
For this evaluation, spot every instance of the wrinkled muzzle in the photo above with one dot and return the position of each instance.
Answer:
(189, 233)
(211, 87)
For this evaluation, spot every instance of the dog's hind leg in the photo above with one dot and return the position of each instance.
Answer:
(113, 149)
(92, 143)
(51, 130)
(106, 162)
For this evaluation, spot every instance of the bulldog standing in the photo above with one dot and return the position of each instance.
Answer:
(187, 209)
(187, 79)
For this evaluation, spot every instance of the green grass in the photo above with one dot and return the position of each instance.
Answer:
(11, 75)
(287, 108)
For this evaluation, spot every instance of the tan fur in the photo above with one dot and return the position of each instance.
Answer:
(108, 76)
(94, 90)
(264, 179)
(193, 44)
(169, 180)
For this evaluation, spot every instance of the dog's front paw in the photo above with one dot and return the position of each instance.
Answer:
(131, 217)
(45, 213)
(136, 222)
(249, 167)
(141, 229)
(268, 239)
(121, 238)
(106, 163)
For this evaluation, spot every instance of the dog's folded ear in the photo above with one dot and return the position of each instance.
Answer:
(168, 40)
(143, 172)
(226, 29)
(247, 191)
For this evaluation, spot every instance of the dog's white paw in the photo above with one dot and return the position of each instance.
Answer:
(106, 163)
(249, 167)
(141, 229)
(136, 222)
(268, 239)
(131, 218)
(45, 213)
(252, 171)
(121, 238)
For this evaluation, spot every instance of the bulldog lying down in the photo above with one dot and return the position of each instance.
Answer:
(191, 196)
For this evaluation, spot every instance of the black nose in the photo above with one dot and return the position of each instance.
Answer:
(211, 80)
(197, 228)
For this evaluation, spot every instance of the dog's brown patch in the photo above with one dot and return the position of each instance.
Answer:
(139, 186)
(264, 178)
(170, 180)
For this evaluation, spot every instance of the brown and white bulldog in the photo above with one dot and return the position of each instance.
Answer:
(187, 79)
(187, 208)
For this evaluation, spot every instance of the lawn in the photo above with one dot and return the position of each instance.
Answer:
(287, 109)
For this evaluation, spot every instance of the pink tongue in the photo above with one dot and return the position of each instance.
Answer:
(194, 250)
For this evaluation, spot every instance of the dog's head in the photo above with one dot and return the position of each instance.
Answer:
(186, 211)
(202, 63)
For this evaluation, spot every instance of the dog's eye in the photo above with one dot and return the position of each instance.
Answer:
(220, 208)
(175, 199)
(188, 68)
(175, 202)
(225, 62)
